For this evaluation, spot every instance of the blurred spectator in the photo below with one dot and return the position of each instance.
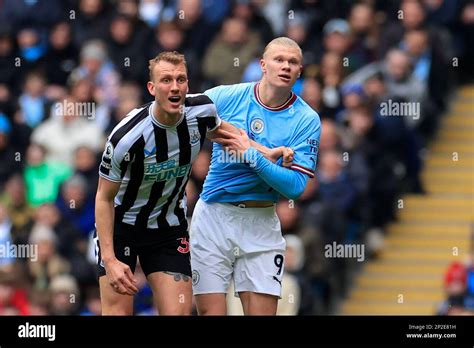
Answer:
(39, 302)
(190, 17)
(455, 287)
(398, 78)
(43, 178)
(48, 264)
(294, 263)
(40, 13)
(230, 53)
(256, 22)
(331, 74)
(9, 82)
(92, 304)
(214, 11)
(75, 204)
(34, 105)
(19, 211)
(61, 58)
(69, 238)
(297, 30)
(71, 128)
(275, 12)
(65, 298)
(32, 49)
(335, 185)
(153, 11)
(71, 243)
(130, 98)
(414, 17)
(13, 300)
(96, 66)
(127, 50)
(6, 261)
(90, 21)
(8, 156)
(362, 20)
(312, 95)
(169, 36)
(85, 165)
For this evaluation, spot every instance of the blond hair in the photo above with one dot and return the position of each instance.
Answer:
(283, 41)
(173, 57)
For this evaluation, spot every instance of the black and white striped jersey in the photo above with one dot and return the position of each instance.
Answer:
(153, 162)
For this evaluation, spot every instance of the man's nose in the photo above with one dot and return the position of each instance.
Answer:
(174, 85)
(286, 65)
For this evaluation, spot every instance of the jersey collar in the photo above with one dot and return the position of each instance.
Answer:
(159, 124)
(284, 106)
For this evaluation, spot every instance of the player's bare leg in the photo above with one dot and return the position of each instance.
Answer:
(172, 293)
(258, 304)
(112, 302)
(211, 304)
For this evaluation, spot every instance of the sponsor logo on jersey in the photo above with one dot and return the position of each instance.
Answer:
(149, 153)
(165, 170)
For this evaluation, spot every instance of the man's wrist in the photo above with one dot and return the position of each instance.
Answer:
(108, 258)
(251, 156)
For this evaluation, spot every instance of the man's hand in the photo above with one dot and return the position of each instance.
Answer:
(234, 142)
(281, 151)
(121, 278)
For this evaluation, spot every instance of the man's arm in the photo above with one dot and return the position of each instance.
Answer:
(220, 133)
(119, 274)
(289, 183)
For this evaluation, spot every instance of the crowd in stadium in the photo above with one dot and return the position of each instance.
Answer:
(71, 70)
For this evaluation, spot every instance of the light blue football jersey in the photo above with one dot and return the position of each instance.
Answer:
(294, 124)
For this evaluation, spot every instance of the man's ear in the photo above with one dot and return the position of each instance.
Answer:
(151, 88)
(263, 66)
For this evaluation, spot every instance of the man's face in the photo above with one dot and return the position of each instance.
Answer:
(169, 86)
(281, 65)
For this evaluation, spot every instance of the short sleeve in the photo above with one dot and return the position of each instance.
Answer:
(111, 164)
(205, 110)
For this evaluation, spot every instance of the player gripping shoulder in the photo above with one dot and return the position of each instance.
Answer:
(235, 232)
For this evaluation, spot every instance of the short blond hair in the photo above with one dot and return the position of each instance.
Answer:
(172, 57)
(283, 41)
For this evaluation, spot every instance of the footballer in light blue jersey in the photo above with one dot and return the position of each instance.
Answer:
(294, 124)
(235, 233)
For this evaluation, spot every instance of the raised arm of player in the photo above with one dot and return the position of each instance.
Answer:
(220, 133)
(118, 273)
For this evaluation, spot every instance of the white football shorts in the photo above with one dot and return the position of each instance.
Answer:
(244, 243)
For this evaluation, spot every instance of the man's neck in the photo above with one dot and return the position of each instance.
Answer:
(165, 118)
(271, 96)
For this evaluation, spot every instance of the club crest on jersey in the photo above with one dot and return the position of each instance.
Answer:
(194, 136)
(257, 126)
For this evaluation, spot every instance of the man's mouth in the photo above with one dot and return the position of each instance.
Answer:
(174, 99)
(285, 77)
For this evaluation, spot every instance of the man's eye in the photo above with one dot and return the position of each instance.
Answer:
(166, 80)
(182, 80)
